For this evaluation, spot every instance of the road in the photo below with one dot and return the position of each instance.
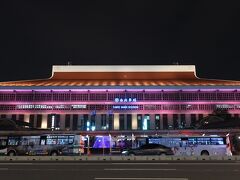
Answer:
(122, 170)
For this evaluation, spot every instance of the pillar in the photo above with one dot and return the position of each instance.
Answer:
(98, 122)
(152, 121)
(134, 121)
(62, 121)
(116, 121)
(188, 120)
(44, 121)
(71, 122)
(26, 118)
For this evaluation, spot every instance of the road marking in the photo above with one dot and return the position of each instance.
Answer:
(107, 169)
(53, 164)
(180, 163)
(141, 178)
(16, 163)
(3, 169)
(132, 163)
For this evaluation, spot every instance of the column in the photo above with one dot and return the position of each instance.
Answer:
(170, 121)
(62, 121)
(26, 118)
(125, 121)
(116, 121)
(188, 120)
(44, 121)
(134, 121)
(152, 121)
(35, 120)
(98, 122)
(161, 121)
(71, 121)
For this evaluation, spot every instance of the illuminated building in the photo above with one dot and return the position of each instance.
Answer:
(132, 97)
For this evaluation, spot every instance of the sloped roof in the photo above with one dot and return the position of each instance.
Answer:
(131, 75)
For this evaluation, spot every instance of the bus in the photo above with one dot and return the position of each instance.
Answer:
(194, 145)
(46, 144)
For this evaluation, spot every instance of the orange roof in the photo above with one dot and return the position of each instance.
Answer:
(122, 76)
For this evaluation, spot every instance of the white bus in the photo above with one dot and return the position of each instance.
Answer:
(46, 144)
(195, 145)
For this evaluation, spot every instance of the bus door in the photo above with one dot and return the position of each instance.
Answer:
(184, 147)
(3, 145)
(36, 145)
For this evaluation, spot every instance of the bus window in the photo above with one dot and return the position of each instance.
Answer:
(217, 141)
(62, 140)
(70, 139)
(203, 141)
(51, 141)
(192, 141)
(13, 141)
(3, 142)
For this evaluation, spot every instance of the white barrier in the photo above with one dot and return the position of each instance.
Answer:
(119, 158)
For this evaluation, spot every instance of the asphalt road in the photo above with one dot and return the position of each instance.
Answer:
(157, 170)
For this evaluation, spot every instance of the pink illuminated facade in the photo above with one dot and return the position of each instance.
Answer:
(103, 98)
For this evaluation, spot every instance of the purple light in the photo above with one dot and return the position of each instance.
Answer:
(102, 142)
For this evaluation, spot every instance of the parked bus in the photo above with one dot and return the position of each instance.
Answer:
(48, 144)
(195, 145)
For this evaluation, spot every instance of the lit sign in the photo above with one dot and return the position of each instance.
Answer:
(125, 100)
(225, 106)
(34, 106)
(79, 106)
(124, 107)
(44, 106)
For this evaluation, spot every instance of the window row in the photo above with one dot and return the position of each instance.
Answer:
(108, 96)
(118, 107)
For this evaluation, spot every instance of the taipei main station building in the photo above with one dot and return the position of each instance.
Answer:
(118, 98)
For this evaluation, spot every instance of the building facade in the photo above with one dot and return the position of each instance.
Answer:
(118, 98)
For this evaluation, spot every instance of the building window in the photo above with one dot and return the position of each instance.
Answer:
(75, 122)
(175, 121)
(165, 121)
(49, 121)
(129, 122)
(3, 115)
(67, 121)
(39, 121)
(110, 121)
(31, 120)
(86, 123)
(200, 117)
(53, 121)
(21, 117)
(146, 122)
(103, 121)
(157, 122)
(193, 120)
(182, 121)
(236, 116)
(121, 122)
(57, 121)
(93, 122)
(14, 117)
(139, 122)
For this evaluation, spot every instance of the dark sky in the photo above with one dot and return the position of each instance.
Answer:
(34, 35)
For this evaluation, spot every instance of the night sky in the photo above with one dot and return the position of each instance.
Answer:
(34, 35)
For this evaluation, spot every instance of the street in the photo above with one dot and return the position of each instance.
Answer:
(121, 170)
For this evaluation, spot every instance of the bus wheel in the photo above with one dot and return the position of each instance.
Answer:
(131, 154)
(54, 153)
(204, 153)
(11, 153)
